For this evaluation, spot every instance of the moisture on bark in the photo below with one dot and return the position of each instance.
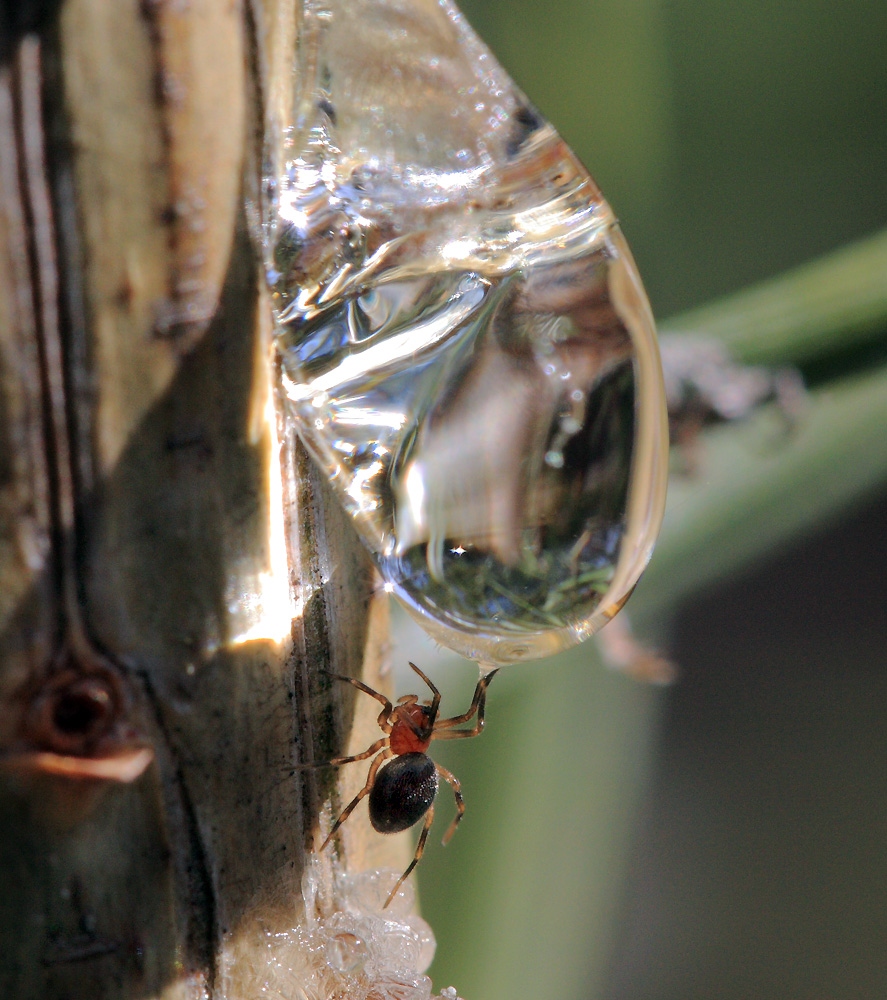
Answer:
(174, 577)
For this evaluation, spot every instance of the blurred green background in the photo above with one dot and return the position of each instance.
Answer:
(725, 837)
(733, 139)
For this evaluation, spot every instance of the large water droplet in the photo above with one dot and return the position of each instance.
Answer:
(466, 343)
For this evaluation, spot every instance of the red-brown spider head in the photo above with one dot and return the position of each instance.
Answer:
(412, 728)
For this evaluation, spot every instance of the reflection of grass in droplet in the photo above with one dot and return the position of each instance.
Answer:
(542, 593)
(536, 614)
(594, 581)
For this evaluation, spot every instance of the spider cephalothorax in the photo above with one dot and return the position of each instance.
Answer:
(403, 791)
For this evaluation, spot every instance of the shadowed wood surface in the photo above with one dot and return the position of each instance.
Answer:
(173, 574)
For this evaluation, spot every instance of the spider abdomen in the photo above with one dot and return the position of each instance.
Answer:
(403, 792)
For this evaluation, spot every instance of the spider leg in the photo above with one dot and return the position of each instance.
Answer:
(460, 802)
(383, 720)
(435, 700)
(478, 705)
(458, 734)
(336, 761)
(352, 805)
(420, 847)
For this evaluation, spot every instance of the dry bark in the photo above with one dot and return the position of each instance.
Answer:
(174, 576)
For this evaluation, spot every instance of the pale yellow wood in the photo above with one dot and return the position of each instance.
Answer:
(203, 566)
(154, 97)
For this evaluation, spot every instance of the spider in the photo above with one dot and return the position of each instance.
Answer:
(403, 791)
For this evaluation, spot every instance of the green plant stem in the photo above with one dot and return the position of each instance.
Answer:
(760, 487)
(836, 302)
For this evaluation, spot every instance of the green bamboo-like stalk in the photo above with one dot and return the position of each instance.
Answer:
(761, 483)
(824, 307)
(762, 486)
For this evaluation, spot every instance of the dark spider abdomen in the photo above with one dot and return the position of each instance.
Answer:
(402, 793)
